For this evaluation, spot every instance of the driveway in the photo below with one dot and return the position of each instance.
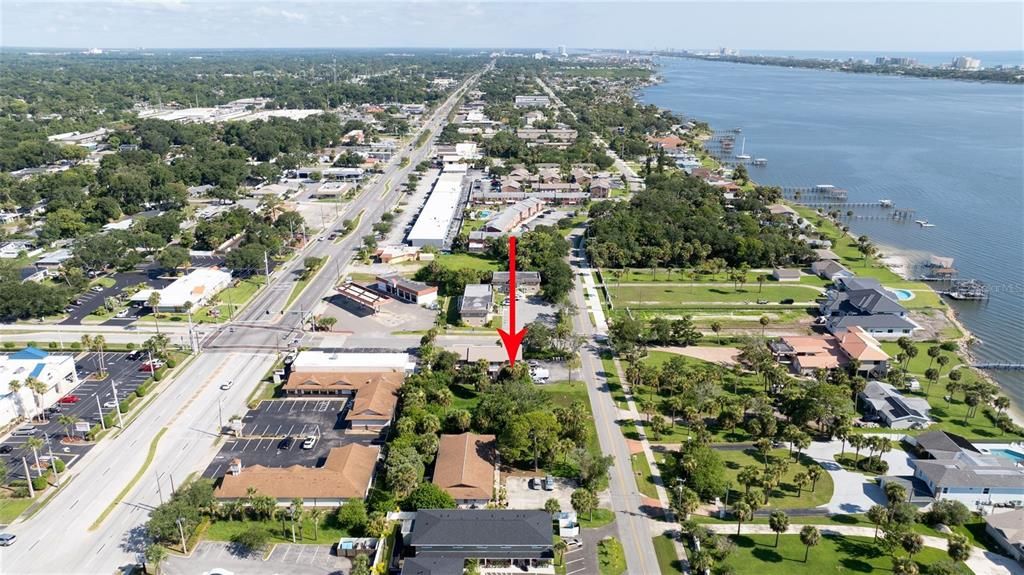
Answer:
(291, 559)
(855, 492)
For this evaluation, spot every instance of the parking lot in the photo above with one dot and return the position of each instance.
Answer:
(284, 558)
(126, 378)
(265, 428)
(396, 315)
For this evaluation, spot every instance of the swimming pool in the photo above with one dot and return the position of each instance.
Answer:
(901, 294)
(1008, 454)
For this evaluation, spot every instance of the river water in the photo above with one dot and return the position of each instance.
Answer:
(952, 151)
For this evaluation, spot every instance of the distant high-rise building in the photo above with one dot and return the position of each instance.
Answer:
(728, 52)
(898, 61)
(562, 53)
(966, 63)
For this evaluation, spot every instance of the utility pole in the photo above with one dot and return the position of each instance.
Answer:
(266, 265)
(99, 408)
(159, 491)
(181, 529)
(53, 461)
(120, 418)
(220, 414)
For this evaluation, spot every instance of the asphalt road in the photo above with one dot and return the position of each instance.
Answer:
(635, 527)
(66, 536)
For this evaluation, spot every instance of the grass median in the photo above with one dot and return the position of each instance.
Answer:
(131, 484)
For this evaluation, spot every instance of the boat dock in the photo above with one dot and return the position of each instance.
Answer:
(999, 366)
(966, 289)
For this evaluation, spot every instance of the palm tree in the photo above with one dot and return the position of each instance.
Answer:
(35, 444)
(156, 554)
(761, 278)
(904, 566)
(857, 442)
(560, 548)
(809, 536)
(959, 549)
(68, 421)
(1001, 403)
(779, 523)
(748, 477)
(933, 352)
(912, 543)
(742, 511)
(764, 447)
(716, 327)
(842, 432)
(884, 446)
(895, 492)
(153, 302)
(38, 389)
(764, 321)
(877, 515)
(98, 343)
(800, 480)
(814, 473)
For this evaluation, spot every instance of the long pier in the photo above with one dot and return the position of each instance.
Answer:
(999, 366)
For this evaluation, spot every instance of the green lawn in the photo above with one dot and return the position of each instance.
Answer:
(611, 559)
(668, 560)
(858, 519)
(834, 554)
(230, 299)
(469, 261)
(642, 474)
(614, 385)
(785, 496)
(648, 275)
(600, 518)
(329, 532)
(563, 393)
(10, 509)
(676, 295)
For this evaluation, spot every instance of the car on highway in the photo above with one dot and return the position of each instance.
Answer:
(309, 442)
(69, 399)
(7, 539)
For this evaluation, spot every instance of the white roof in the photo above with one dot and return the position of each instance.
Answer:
(313, 360)
(439, 211)
(197, 286)
(47, 368)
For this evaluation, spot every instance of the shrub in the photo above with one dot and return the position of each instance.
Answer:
(872, 465)
(254, 539)
(40, 483)
(9, 345)
(32, 344)
(126, 403)
(948, 512)
(52, 345)
(142, 390)
(352, 516)
(94, 431)
(20, 492)
(59, 464)
(131, 345)
(171, 363)
(76, 345)
(108, 420)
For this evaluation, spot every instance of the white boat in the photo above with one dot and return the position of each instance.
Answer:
(885, 203)
(760, 162)
(924, 223)
(741, 155)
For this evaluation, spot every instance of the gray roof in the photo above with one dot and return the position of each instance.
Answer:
(828, 268)
(941, 442)
(1009, 523)
(475, 527)
(522, 278)
(476, 300)
(433, 564)
(857, 283)
(786, 273)
(884, 398)
(971, 470)
(874, 301)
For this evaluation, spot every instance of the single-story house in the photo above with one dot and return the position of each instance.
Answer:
(465, 468)
(197, 288)
(346, 475)
(941, 445)
(476, 304)
(407, 290)
(526, 282)
(53, 260)
(1007, 529)
(786, 275)
(830, 269)
(971, 478)
(893, 408)
(825, 254)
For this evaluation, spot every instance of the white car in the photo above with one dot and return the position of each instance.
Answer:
(110, 404)
(309, 442)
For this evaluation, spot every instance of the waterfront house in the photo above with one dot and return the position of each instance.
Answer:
(807, 354)
(940, 445)
(825, 254)
(830, 269)
(786, 275)
(872, 309)
(1007, 529)
(858, 345)
(972, 478)
(892, 408)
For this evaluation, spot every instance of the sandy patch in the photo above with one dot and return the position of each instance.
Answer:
(719, 355)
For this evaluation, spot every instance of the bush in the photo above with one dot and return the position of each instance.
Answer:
(94, 431)
(40, 483)
(9, 345)
(32, 344)
(131, 345)
(52, 345)
(59, 464)
(171, 363)
(870, 464)
(948, 512)
(352, 516)
(254, 539)
(142, 390)
(19, 492)
(76, 345)
(109, 419)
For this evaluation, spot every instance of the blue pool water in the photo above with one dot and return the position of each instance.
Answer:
(1007, 454)
(902, 294)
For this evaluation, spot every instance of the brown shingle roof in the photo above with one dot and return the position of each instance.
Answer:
(331, 381)
(375, 400)
(465, 466)
(346, 474)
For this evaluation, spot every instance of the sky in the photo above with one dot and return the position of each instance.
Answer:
(909, 26)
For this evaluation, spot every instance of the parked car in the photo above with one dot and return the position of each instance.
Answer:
(787, 301)
(227, 385)
(110, 404)
(69, 399)
(286, 443)
(309, 442)
(135, 355)
(7, 539)
(123, 313)
(6, 449)
(96, 289)
(549, 483)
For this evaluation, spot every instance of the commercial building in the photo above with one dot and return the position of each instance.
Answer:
(893, 408)
(466, 468)
(442, 539)
(433, 226)
(197, 287)
(375, 393)
(56, 372)
(966, 63)
(312, 361)
(346, 475)
(476, 304)
(407, 290)
(532, 101)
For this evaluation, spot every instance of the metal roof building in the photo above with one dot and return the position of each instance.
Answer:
(435, 219)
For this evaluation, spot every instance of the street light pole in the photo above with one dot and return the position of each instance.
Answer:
(53, 462)
(159, 491)
(28, 477)
(181, 530)
(220, 415)
(120, 418)
(100, 408)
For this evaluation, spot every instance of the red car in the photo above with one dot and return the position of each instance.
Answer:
(151, 366)
(69, 399)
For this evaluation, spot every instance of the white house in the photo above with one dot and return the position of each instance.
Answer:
(56, 371)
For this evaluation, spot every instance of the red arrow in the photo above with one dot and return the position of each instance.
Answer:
(512, 338)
